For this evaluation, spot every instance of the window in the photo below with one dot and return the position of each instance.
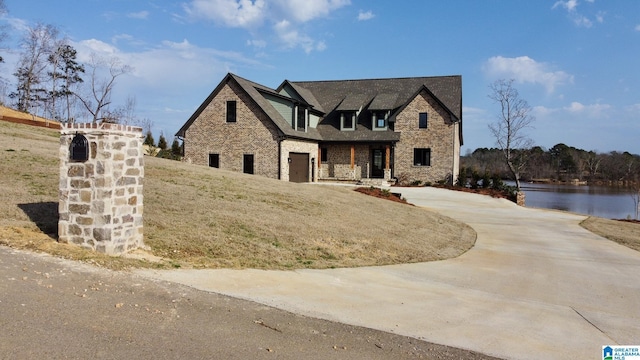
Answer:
(231, 111)
(422, 123)
(348, 120)
(302, 119)
(379, 120)
(323, 155)
(247, 164)
(214, 160)
(422, 157)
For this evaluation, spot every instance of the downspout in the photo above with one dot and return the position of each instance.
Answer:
(280, 138)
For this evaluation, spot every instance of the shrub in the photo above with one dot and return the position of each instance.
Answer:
(168, 154)
(402, 179)
(475, 178)
(486, 180)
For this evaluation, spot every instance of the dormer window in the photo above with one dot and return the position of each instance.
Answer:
(348, 120)
(301, 118)
(379, 120)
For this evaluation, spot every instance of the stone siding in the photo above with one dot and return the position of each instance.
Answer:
(338, 163)
(252, 133)
(100, 205)
(298, 146)
(441, 136)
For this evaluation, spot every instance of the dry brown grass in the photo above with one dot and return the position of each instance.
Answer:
(622, 232)
(203, 217)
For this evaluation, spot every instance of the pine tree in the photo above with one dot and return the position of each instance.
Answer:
(176, 149)
(162, 142)
(67, 70)
(148, 140)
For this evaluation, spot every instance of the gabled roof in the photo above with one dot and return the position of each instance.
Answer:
(304, 94)
(447, 89)
(254, 90)
(379, 94)
(330, 97)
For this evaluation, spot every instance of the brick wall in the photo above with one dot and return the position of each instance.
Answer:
(440, 136)
(252, 133)
(100, 205)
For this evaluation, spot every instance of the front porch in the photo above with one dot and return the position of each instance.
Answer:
(370, 162)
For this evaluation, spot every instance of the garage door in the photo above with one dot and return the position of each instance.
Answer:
(299, 167)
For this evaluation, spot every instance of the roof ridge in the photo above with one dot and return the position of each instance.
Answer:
(375, 79)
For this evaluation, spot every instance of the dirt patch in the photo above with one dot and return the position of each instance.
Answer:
(382, 194)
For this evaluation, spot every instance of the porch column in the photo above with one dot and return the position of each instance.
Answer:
(387, 157)
(353, 156)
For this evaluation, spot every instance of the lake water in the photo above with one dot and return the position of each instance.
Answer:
(602, 201)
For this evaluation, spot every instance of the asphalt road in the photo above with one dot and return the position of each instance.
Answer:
(536, 285)
(57, 309)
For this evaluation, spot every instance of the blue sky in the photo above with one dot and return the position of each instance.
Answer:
(576, 62)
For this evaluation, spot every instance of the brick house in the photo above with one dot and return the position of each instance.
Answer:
(342, 130)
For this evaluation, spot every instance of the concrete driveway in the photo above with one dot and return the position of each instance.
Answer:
(535, 286)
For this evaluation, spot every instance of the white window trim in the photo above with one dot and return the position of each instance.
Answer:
(353, 122)
(374, 121)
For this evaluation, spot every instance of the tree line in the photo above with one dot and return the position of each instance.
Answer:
(560, 163)
(50, 81)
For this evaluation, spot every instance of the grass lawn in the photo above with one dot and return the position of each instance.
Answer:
(197, 216)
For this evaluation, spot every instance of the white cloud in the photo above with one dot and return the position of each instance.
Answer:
(575, 108)
(86, 47)
(292, 38)
(524, 69)
(578, 19)
(637, 27)
(257, 43)
(20, 25)
(543, 111)
(593, 110)
(231, 13)
(635, 108)
(139, 15)
(570, 5)
(365, 15)
(306, 10)
(285, 17)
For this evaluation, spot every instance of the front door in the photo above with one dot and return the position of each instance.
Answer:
(379, 163)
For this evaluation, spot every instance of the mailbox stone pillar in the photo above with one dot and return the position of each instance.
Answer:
(100, 204)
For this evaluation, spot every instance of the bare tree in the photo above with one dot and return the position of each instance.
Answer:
(509, 129)
(4, 34)
(36, 46)
(128, 111)
(97, 99)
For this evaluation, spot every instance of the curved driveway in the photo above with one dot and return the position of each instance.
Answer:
(536, 285)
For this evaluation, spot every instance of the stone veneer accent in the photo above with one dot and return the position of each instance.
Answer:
(298, 146)
(100, 204)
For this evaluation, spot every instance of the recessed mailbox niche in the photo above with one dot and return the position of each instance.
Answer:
(79, 148)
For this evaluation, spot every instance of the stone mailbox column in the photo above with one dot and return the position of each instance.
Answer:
(101, 175)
